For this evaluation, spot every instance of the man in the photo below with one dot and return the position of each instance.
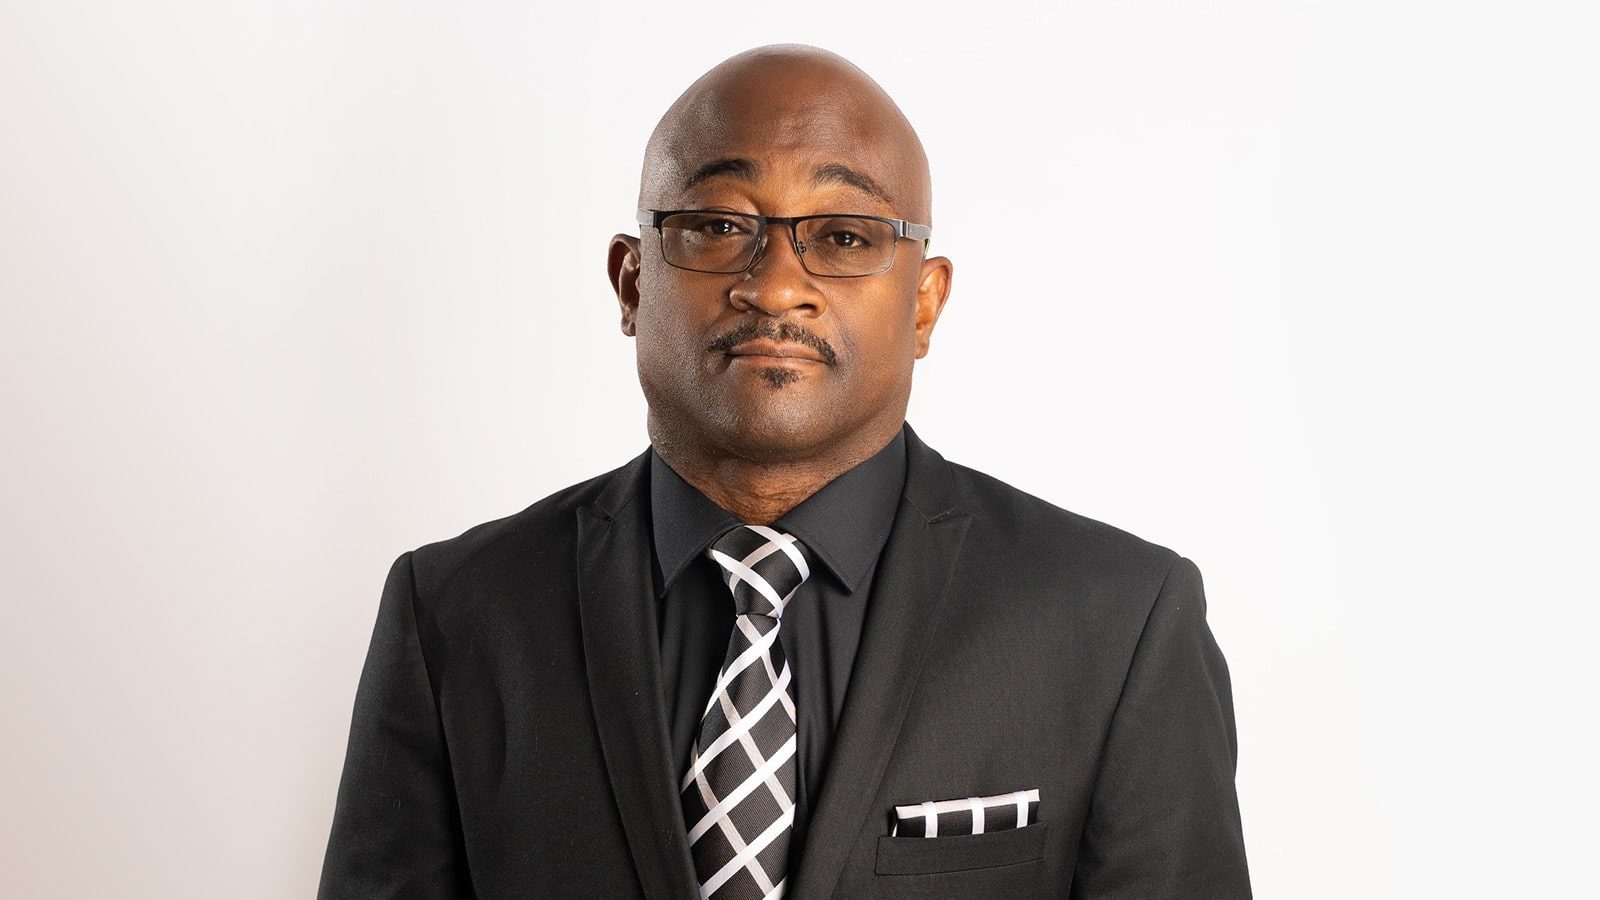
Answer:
(926, 683)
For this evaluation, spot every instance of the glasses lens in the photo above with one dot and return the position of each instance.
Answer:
(709, 241)
(847, 245)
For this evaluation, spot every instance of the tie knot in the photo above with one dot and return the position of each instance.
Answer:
(764, 567)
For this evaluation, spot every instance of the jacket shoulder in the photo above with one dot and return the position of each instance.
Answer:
(1006, 516)
(534, 539)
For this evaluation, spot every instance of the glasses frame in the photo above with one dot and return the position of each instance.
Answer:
(652, 218)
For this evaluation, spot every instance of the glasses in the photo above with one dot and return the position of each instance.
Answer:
(727, 243)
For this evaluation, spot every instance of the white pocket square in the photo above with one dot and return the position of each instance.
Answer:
(969, 815)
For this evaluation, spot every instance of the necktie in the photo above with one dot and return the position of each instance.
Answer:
(739, 791)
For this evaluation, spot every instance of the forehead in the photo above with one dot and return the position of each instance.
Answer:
(789, 139)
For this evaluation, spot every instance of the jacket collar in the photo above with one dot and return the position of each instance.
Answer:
(622, 658)
(903, 613)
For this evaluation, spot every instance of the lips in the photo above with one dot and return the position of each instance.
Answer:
(769, 349)
(762, 340)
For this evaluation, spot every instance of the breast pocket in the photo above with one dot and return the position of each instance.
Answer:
(960, 852)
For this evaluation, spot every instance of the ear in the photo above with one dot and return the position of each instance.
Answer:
(932, 291)
(622, 264)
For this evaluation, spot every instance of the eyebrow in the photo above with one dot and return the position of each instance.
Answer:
(746, 170)
(742, 169)
(842, 174)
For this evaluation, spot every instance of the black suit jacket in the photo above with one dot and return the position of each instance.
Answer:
(510, 738)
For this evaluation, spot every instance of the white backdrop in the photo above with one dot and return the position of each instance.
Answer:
(1305, 291)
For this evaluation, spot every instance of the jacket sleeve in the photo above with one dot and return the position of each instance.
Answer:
(395, 825)
(1164, 819)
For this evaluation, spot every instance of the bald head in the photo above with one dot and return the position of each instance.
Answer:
(783, 370)
(795, 124)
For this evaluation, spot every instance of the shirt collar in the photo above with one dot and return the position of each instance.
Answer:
(684, 522)
(845, 523)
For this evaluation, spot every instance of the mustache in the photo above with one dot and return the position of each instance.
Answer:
(751, 329)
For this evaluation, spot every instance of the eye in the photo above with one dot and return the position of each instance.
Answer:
(710, 224)
(845, 239)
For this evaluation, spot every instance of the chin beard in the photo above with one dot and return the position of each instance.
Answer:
(777, 376)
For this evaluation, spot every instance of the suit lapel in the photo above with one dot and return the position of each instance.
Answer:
(623, 661)
(917, 561)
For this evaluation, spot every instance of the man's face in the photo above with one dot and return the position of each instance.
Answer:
(776, 363)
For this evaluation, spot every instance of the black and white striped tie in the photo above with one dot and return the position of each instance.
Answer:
(738, 795)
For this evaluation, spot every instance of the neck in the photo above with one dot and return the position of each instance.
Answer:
(761, 491)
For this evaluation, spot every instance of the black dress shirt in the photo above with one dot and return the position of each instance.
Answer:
(844, 526)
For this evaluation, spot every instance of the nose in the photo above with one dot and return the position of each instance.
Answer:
(776, 282)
